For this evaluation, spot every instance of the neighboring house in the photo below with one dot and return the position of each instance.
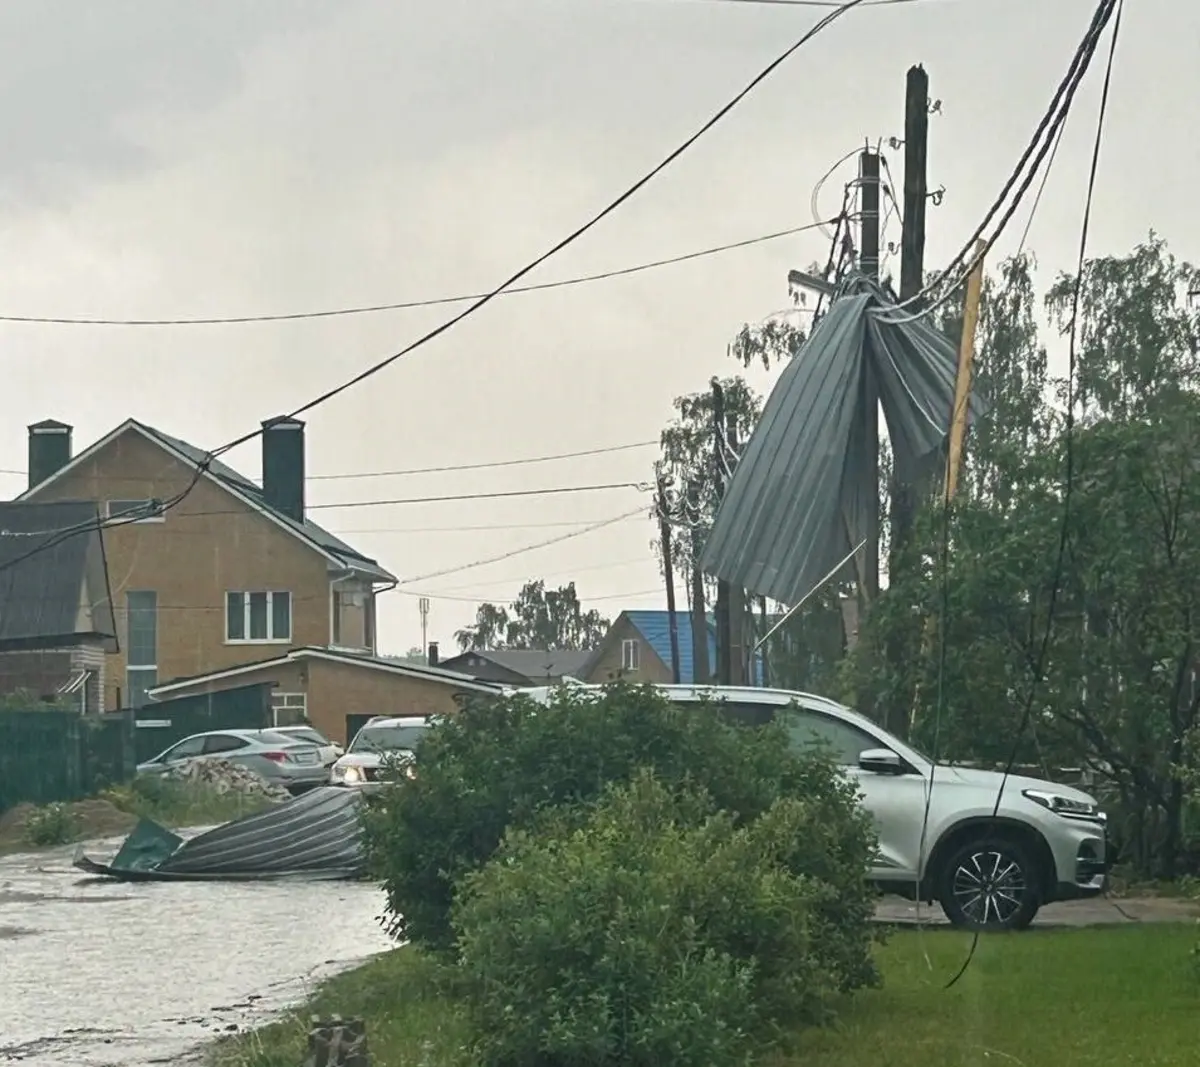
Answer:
(337, 690)
(233, 573)
(637, 648)
(56, 614)
(516, 666)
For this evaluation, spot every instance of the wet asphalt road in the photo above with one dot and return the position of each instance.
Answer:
(96, 973)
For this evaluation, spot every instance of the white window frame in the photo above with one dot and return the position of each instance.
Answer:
(631, 655)
(122, 515)
(288, 702)
(270, 639)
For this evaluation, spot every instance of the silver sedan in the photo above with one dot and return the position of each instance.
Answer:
(281, 760)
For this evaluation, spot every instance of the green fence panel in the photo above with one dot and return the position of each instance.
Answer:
(40, 757)
(164, 722)
(109, 755)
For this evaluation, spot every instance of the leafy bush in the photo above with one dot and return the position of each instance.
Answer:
(655, 930)
(53, 824)
(503, 763)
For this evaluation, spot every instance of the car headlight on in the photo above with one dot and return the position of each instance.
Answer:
(1068, 807)
(349, 775)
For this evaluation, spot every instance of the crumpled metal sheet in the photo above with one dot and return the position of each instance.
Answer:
(797, 501)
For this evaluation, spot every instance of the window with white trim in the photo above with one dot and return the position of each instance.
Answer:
(258, 617)
(631, 650)
(126, 510)
(141, 646)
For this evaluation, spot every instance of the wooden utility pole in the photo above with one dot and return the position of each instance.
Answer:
(868, 176)
(700, 673)
(962, 381)
(735, 596)
(664, 529)
(905, 493)
(724, 664)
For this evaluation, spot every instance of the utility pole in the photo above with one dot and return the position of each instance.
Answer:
(700, 674)
(904, 490)
(722, 609)
(912, 267)
(735, 596)
(664, 529)
(868, 176)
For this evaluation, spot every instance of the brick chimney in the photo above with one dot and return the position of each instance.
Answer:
(283, 466)
(49, 449)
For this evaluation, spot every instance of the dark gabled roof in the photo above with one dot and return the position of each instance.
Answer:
(532, 663)
(43, 574)
(308, 529)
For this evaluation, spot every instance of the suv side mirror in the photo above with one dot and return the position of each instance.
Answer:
(880, 761)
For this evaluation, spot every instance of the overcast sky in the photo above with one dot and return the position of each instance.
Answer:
(161, 158)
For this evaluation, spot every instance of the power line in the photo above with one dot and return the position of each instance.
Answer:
(1104, 13)
(449, 468)
(811, 3)
(1041, 143)
(203, 465)
(569, 572)
(523, 549)
(405, 305)
(462, 598)
(464, 529)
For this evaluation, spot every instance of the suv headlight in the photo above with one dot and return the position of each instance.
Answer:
(1068, 807)
(347, 774)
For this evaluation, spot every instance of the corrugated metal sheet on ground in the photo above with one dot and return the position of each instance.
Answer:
(797, 502)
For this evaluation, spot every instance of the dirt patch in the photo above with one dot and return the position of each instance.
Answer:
(92, 818)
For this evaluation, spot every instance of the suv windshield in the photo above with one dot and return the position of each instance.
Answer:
(388, 738)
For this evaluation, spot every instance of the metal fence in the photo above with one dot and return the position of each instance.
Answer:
(49, 755)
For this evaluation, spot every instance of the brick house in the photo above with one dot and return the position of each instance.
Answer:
(56, 614)
(235, 573)
(337, 690)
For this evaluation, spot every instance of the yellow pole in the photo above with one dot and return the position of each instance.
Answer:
(958, 424)
(962, 382)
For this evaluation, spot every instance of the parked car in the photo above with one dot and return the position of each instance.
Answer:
(381, 741)
(281, 760)
(938, 840)
(330, 752)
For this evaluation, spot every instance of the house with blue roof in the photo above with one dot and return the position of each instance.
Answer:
(637, 648)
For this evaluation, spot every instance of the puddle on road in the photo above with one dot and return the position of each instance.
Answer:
(162, 967)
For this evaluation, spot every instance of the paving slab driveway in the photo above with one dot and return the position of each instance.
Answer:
(1100, 911)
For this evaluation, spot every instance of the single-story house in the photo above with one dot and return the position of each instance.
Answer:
(337, 690)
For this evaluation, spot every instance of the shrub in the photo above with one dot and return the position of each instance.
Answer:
(655, 930)
(53, 824)
(503, 763)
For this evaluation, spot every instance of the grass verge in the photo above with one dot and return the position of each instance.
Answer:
(116, 811)
(1046, 998)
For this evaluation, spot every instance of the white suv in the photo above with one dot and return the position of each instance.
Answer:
(1047, 842)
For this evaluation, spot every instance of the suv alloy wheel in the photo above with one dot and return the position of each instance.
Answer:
(990, 884)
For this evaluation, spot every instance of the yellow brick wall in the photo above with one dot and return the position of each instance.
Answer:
(209, 545)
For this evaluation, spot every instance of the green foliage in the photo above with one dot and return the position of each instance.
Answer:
(501, 763)
(539, 618)
(654, 930)
(1119, 692)
(52, 824)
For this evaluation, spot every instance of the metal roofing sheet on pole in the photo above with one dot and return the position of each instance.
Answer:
(797, 501)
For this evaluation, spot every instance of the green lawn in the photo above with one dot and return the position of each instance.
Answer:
(1046, 998)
